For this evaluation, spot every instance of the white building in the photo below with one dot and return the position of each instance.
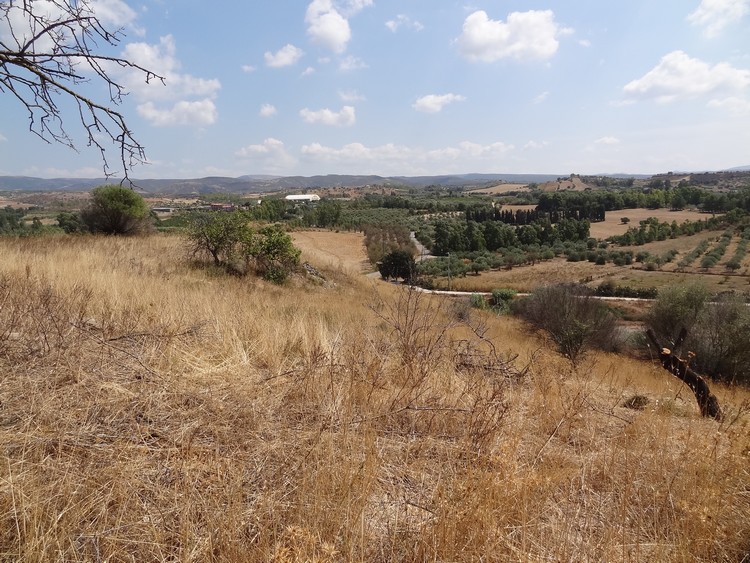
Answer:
(305, 197)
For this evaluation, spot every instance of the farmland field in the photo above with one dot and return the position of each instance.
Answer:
(500, 189)
(613, 224)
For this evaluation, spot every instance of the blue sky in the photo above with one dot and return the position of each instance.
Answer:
(420, 87)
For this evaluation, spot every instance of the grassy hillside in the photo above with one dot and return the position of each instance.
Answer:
(153, 411)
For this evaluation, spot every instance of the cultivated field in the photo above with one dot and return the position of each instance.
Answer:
(151, 410)
(500, 189)
(613, 224)
(344, 250)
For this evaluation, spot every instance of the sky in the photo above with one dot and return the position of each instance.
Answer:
(417, 87)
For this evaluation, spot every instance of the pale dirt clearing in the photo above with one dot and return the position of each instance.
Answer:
(613, 224)
(343, 250)
(500, 189)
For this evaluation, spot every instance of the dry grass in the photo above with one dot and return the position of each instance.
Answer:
(613, 224)
(500, 189)
(343, 250)
(150, 411)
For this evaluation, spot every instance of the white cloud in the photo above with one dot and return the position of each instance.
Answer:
(178, 88)
(528, 35)
(535, 145)
(540, 98)
(267, 110)
(162, 59)
(248, 68)
(584, 43)
(405, 22)
(268, 157)
(326, 26)
(715, 15)
(308, 71)
(434, 103)
(351, 96)
(328, 22)
(734, 105)
(268, 146)
(286, 56)
(351, 63)
(398, 159)
(112, 14)
(3, 138)
(344, 118)
(607, 141)
(201, 112)
(679, 76)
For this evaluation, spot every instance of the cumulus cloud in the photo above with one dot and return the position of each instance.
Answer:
(535, 145)
(308, 71)
(201, 112)
(351, 63)
(328, 22)
(404, 21)
(248, 68)
(351, 96)
(286, 56)
(540, 98)
(179, 89)
(607, 141)
(112, 14)
(397, 158)
(679, 76)
(734, 105)
(434, 103)
(714, 15)
(524, 36)
(267, 110)
(270, 156)
(344, 118)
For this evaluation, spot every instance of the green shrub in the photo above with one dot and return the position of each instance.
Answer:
(116, 210)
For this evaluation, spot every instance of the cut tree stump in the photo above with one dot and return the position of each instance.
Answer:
(707, 402)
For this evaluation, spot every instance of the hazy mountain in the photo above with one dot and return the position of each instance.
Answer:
(262, 183)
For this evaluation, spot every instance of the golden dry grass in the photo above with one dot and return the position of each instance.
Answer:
(613, 224)
(343, 250)
(151, 411)
(500, 189)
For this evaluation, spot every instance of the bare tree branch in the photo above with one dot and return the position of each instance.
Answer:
(47, 51)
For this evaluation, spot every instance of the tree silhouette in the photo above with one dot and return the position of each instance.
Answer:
(48, 51)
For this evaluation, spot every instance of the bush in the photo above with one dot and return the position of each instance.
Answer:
(718, 332)
(398, 264)
(229, 241)
(116, 210)
(501, 299)
(574, 321)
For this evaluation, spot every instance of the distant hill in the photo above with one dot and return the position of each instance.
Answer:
(262, 183)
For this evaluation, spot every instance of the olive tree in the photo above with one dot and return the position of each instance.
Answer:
(116, 210)
(230, 242)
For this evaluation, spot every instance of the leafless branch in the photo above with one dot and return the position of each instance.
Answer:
(46, 54)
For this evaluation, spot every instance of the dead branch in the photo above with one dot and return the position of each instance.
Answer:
(707, 402)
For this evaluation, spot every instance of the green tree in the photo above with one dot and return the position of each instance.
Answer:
(226, 238)
(71, 223)
(274, 253)
(116, 210)
(398, 264)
